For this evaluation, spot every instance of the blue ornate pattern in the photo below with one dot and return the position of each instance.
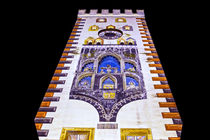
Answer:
(130, 67)
(85, 82)
(108, 80)
(131, 82)
(109, 62)
(87, 67)
(108, 84)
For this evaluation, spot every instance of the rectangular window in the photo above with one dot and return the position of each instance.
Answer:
(77, 134)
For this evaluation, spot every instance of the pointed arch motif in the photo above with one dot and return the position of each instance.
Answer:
(88, 67)
(99, 41)
(84, 81)
(108, 82)
(121, 41)
(89, 41)
(93, 28)
(131, 41)
(110, 27)
(130, 67)
(109, 64)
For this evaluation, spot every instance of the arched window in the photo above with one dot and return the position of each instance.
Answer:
(130, 67)
(121, 41)
(131, 82)
(87, 67)
(93, 28)
(108, 83)
(85, 82)
(109, 64)
(99, 41)
(89, 41)
(131, 41)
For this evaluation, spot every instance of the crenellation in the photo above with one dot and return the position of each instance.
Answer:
(109, 83)
(128, 11)
(105, 11)
(115, 12)
(93, 11)
(82, 12)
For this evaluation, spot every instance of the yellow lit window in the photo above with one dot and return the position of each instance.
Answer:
(93, 28)
(121, 41)
(108, 86)
(127, 27)
(110, 27)
(136, 134)
(89, 41)
(120, 20)
(77, 134)
(99, 41)
(101, 20)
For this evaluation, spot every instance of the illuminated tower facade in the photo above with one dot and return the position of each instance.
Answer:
(109, 84)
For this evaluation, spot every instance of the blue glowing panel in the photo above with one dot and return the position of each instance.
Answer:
(85, 82)
(130, 67)
(131, 81)
(109, 62)
(108, 84)
(87, 67)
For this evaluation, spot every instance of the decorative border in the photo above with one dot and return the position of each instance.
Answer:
(55, 82)
(170, 102)
(112, 116)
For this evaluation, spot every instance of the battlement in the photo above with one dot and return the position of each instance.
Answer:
(109, 83)
(115, 12)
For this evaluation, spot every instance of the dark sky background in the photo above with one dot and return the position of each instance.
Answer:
(169, 28)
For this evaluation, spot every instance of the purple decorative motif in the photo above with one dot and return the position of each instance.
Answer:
(99, 79)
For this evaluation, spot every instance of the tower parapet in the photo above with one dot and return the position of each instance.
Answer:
(115, 12)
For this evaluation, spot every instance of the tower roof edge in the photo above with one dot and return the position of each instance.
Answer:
(115, 12)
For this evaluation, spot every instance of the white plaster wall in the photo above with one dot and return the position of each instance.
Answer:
(138, 114)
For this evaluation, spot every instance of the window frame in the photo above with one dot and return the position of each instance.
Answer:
(67, 130)
(124, 132)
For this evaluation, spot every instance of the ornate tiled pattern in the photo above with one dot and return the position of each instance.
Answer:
(106, 78)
